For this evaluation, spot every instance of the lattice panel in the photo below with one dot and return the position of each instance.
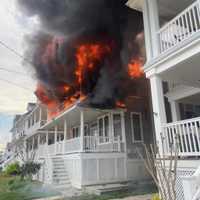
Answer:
(179, 185)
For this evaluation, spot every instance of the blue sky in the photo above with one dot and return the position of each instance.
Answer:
(5, 126)
(13, 99)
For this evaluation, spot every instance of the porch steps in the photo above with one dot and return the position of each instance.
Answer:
(60, 175)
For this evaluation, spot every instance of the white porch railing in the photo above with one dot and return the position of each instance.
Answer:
(102, 144)
(36, 126)
(187, 133)
(180, 28)
(72, 145)
(90, 144)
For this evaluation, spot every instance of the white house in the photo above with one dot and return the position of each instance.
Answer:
(172, 36)
(86, 146)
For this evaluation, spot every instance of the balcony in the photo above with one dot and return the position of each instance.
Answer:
(186, 133)
(31, 130)
(184, 26)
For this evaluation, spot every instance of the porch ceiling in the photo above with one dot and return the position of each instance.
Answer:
(186, 73)
(167, 8)
(170, 8)
(194, 99)
(72, 115)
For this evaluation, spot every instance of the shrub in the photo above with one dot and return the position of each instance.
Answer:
(30, 168)
(13, 169)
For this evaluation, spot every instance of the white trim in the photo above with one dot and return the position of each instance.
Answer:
(141, 127)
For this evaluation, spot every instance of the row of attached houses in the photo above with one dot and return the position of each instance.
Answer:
(87, 146)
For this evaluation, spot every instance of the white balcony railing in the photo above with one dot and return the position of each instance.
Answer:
(182, 27)
(187, 135)
(36, 126)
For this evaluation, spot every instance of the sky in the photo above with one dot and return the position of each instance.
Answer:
(16, 88)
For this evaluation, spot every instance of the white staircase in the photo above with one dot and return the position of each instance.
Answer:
(60, 177)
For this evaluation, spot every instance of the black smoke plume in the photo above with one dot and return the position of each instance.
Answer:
(67, 24)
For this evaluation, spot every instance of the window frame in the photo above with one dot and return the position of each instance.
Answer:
(117, 113)
(78, 128)
(141, 127)
(109, 129)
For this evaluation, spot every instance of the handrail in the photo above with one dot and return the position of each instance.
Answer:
(178, 16)
(180, 28)
(181, 122)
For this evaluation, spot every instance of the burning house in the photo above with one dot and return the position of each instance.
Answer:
(93, 99)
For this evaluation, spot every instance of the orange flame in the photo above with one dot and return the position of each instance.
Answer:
(135, 69)
(88, 55)
(120, 104)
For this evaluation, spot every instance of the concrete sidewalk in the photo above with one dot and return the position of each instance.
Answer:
(139, 197)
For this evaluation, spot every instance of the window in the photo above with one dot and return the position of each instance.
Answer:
(136, 125)
(93, 129)
(75, 132)
(106, 126)
(103, 128)
(86, 130)
(117, 125)
(189, 111)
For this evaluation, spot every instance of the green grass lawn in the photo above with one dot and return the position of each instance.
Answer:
(132, 191)
(12, 188)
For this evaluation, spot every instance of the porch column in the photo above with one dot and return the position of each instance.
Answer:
(26, 149)
(38, 140)
(82, 130)
(55, 137)
(147, 30)
(40, 115)
(158, 107)
(47, 137)
(33, 143)
(65, 134)
(175, 111)
(151, 24)
(123, 131)
(34, 117)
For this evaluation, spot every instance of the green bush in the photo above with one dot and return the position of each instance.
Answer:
(30, 168)
(13, 169)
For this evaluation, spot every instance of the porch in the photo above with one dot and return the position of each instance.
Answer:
(172, 38)
(182, 125)
(80, 130)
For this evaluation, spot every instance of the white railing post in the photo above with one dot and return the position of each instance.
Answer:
(181, 27)
(40, 116)
(119, 143)
(187, 133)
(38, 141)
(65, 135)
(82, 130)
(55, 137)
(123, 131)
